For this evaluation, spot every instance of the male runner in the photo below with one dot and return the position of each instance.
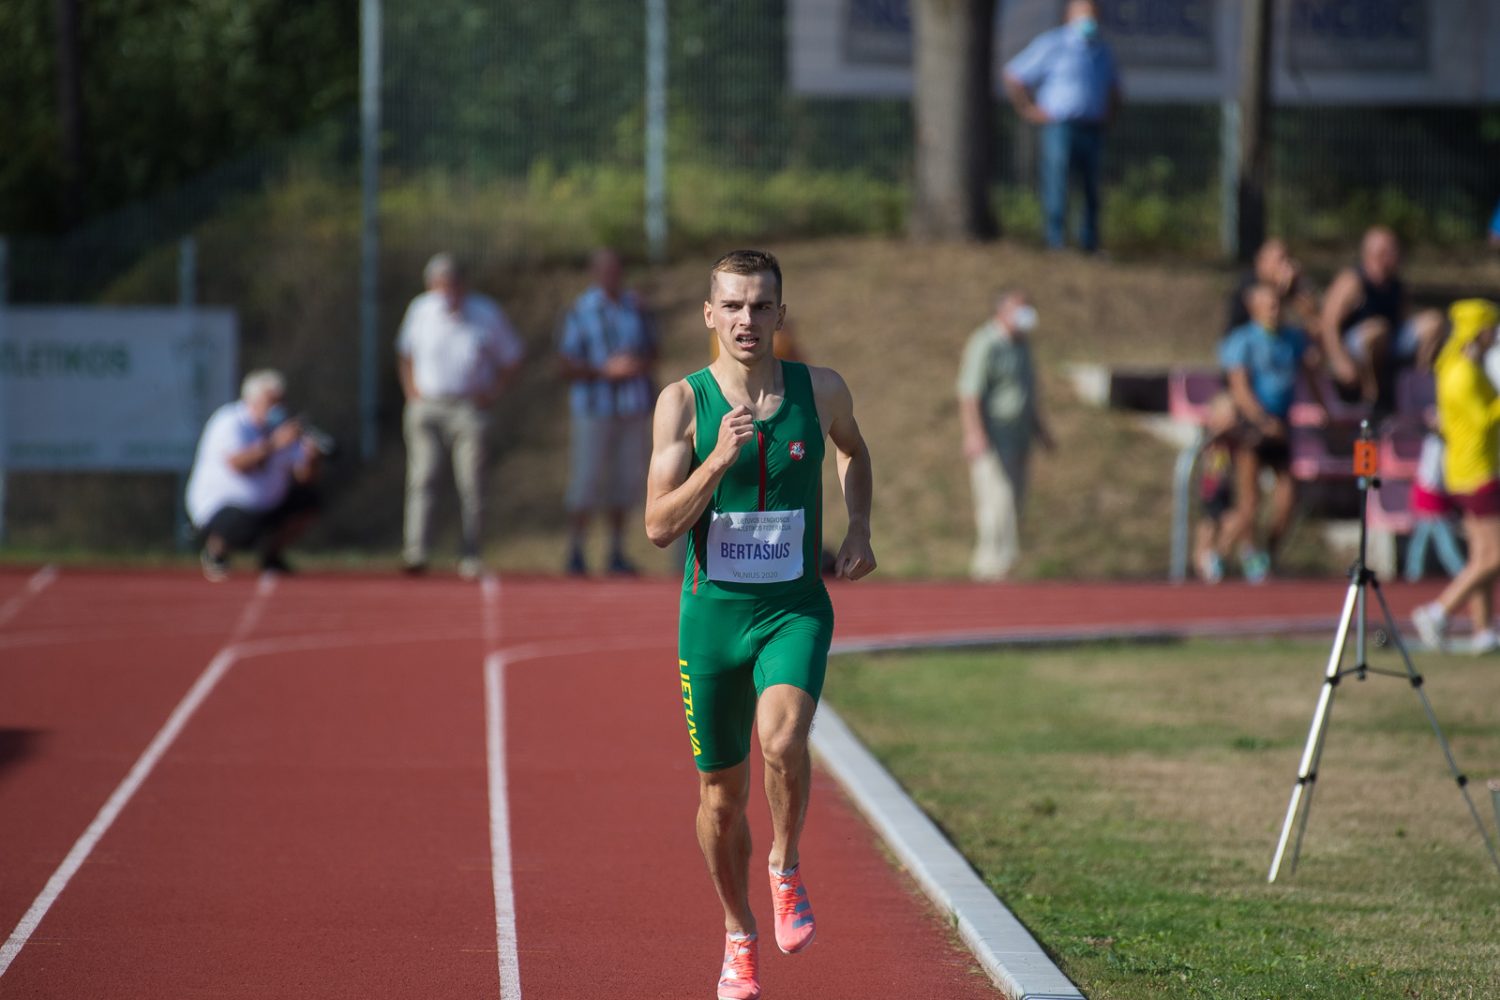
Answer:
(736, 465)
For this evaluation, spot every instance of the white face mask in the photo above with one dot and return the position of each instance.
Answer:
(1023, 319)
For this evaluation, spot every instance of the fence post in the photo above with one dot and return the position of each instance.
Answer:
(1229, 178)
(369, 242)
(656, 129)
(187, 301)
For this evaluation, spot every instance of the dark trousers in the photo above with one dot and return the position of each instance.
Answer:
(1068, 148)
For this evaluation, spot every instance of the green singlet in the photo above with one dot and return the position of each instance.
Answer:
(754, 609)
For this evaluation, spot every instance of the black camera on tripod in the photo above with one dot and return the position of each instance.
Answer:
(319, 440)
(315, 437)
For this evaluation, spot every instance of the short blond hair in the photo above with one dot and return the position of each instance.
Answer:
(746, 262)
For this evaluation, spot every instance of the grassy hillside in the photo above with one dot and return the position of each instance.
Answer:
(890, 315)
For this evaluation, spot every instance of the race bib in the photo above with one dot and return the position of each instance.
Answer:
(756, 546)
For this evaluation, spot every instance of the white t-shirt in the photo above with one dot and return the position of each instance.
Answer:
(456, 355)
(1492, 364)
(215, 484)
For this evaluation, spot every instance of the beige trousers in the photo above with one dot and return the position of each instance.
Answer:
(999, 489)
(436, 430)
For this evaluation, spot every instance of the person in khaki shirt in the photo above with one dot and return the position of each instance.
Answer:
(1000, 412)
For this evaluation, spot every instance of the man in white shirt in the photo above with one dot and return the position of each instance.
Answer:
(455, 353)
(251, 483)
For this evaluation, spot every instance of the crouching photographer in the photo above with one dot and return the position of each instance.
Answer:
(252, 484)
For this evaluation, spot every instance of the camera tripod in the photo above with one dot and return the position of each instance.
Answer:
(1361, 581)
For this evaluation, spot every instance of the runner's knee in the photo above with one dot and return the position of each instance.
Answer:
(723, 795)
(784, 750)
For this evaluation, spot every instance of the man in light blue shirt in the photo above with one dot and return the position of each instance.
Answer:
(607, 351)
(1067, 82)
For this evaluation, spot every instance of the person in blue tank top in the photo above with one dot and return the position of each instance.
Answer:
(1263, 361)
(736, 467)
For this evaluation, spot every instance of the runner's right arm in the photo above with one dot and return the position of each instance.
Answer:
(676, 493)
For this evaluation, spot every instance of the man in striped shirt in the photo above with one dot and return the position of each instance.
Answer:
(607, 351)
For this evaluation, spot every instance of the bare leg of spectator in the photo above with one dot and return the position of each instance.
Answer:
(1283, 499)
(617, 561)
(1374, 341)
(1483, 565)
(1239, 527)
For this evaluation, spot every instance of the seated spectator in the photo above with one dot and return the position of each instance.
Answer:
(1368, 329)
(1215, 488)
(251, 484)
(1469, 414)
(1274, 266)
(1262, 361)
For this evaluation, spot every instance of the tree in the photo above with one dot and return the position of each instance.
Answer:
(952, 105)
(1255, 103)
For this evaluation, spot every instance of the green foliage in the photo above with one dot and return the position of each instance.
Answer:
(559, 214)
(168, 90)
(1452, 221)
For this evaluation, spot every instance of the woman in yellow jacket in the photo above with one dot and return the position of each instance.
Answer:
(1469, 421)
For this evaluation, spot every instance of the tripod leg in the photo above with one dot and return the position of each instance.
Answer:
(1416, 685)
(1307, 771)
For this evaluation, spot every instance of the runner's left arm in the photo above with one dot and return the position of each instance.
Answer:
(856, 558)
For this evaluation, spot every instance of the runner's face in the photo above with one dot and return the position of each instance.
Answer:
(744, 314)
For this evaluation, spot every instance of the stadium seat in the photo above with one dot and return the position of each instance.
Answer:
(1312, 459)
(1389, 516)
(1416, 393)
(1305, 410)
(1307, 413)
(1400, 450)
(1190, 391)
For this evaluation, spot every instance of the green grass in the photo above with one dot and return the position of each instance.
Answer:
(1125, 802)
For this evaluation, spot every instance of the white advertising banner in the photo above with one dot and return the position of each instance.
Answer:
(111, 389)
(1324, 51)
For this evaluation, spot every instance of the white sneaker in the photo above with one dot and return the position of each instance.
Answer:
(470, 568)
(1430, 623)
(1484, 641)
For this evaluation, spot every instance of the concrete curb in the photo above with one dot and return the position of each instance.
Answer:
(1004, 947)
(1001, 943)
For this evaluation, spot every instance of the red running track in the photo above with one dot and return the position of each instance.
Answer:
(316, 819)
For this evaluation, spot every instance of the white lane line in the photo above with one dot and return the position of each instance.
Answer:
(116, 803)
(489, 598)
(500, 859)
(501, 871)
(38, 582)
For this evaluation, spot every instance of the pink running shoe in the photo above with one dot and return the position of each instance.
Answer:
(794, 916)
(739, 979)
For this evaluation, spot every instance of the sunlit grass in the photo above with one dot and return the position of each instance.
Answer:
(1125, 802)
